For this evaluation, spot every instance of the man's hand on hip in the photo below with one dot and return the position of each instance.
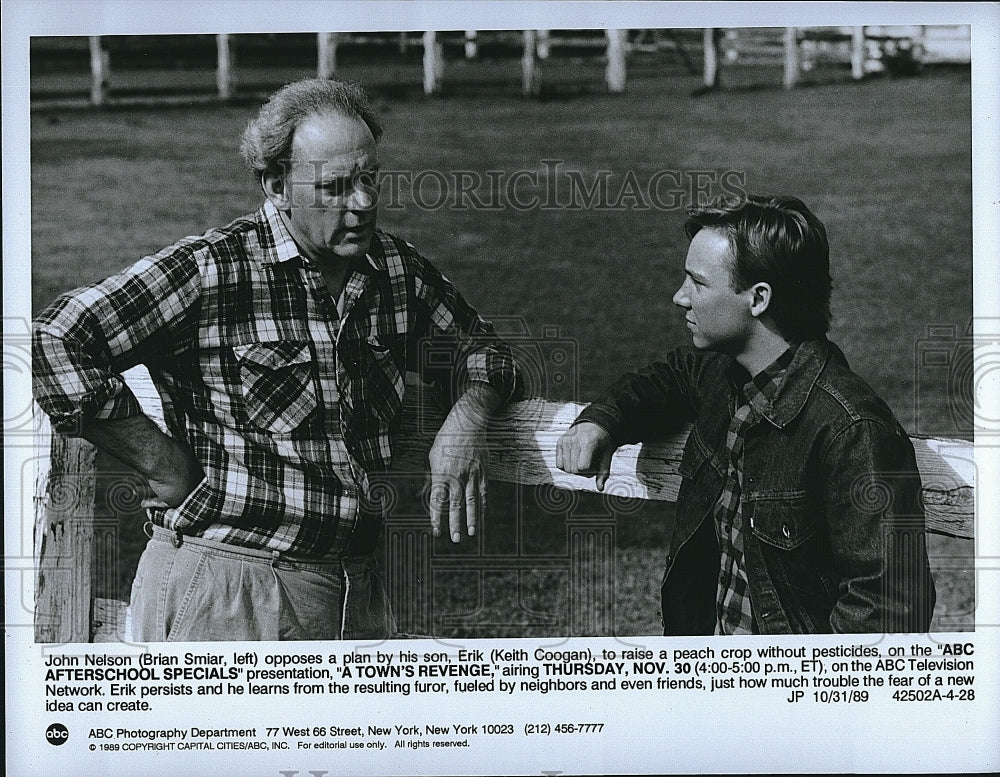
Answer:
(168, 465)
(173, 481)
(586, 449)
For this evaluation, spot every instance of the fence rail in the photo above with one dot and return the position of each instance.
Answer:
(795, 50)
(522, 444)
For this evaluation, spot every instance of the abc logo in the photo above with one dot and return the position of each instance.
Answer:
(56, 734)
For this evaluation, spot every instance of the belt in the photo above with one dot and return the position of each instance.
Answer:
(259, 555)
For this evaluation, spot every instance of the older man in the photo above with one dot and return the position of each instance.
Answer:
(800, 505)
(279, 344)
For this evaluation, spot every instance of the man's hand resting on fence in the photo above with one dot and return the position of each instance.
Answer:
(459, 461)
(586, 449)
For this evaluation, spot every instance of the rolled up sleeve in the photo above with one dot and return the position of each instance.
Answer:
(86, 338)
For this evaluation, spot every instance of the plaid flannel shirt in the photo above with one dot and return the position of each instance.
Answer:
(288, 407)
(734, 611)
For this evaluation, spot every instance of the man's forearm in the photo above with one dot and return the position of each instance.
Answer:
(477, 405)
(135, 440)
(168, 465)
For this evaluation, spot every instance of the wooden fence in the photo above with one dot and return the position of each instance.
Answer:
(795, 50)
(522, 443)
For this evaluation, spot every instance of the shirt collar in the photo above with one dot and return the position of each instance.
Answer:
(285, 249)
(787, 396)
(762, 390)
(765, 386)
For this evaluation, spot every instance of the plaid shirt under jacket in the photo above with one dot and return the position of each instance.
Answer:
(734, 611)
(289, 407)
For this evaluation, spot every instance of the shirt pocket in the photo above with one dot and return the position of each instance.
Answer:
(276, 384)
(385, 382)
(783, 521)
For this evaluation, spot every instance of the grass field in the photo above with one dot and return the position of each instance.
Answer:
(885, 163)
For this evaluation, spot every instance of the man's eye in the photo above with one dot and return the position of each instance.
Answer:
(336, 188)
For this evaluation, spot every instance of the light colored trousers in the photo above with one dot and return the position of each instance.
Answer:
(189, 589)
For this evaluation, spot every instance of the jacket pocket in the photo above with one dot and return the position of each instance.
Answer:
(276, 383)
(783, 521)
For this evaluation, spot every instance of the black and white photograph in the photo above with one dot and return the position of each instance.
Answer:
(483, 389)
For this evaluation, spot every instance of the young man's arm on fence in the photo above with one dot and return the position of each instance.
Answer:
(639, 406)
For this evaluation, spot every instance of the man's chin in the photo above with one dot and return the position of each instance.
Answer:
(354, 245)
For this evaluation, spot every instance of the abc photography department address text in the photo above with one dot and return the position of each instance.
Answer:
(132, 692)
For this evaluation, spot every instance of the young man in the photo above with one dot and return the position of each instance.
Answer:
(799, 510)
(279, 344)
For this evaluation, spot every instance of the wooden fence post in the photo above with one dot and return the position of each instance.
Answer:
(543, 43)
(617, 46)
(224, 71)
(857, 53)
(326, 48)
(433, 62)
(710, 44)
(65, 483)
(791, 57)
(99, 70)
(471, 46)
(530, 75)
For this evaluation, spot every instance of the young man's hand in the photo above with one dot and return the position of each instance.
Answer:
(586, 449)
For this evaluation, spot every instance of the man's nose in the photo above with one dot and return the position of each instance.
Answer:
(363, 197)
(681, 296)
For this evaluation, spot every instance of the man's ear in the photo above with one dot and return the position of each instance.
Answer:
(276, 190)
(760, 300)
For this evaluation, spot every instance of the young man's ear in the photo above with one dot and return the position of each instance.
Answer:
(275, 189)
(761, 299)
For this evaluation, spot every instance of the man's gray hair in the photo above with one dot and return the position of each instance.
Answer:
(267, 140)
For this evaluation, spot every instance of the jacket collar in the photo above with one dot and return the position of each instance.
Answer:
(807, 364)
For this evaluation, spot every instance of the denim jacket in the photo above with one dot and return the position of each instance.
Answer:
(834, 525)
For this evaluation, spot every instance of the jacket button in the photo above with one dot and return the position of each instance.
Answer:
(786, 532)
